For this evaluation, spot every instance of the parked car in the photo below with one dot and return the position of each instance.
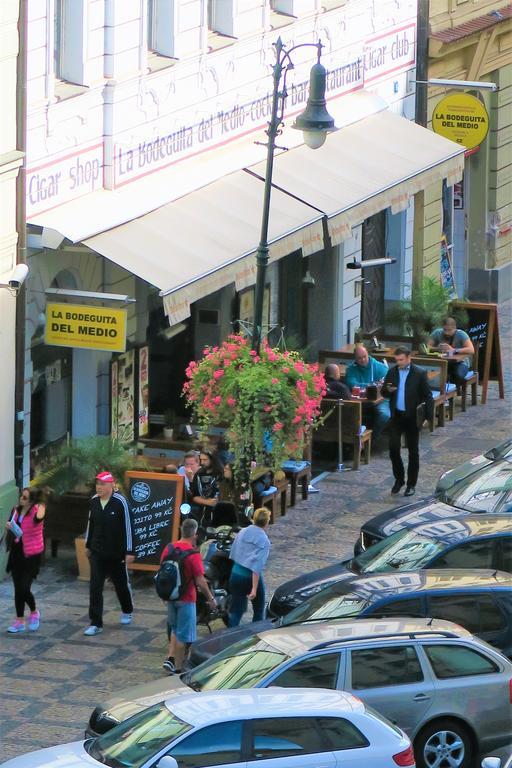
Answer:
(273, 728)
(480, 601)
(476, 541)
(448, 690)
(481, 485)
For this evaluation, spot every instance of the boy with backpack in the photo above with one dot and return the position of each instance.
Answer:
(181, 572)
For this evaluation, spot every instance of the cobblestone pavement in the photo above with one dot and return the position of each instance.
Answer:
(51, 679)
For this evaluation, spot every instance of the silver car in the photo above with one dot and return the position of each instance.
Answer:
(448, 690)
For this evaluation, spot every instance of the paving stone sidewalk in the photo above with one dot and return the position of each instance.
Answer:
(51, 679)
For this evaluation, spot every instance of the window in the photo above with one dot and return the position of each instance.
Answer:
(341, 733)
(476, 613)
(400, 608)
(313, 672)
(458, 661)
(471, 554)
(151, 25)
(379, 667)
(58, 25)
(215, 745)
(285, 737)
(506, 553)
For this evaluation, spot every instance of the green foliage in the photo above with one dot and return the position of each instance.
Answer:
(424, 311)
(77, 464)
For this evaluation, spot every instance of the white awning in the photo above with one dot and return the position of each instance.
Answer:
(374, 164)
(207, 239)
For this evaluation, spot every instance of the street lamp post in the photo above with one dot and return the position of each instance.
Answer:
(315, 122)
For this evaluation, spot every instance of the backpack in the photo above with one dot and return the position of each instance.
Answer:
(170, 580)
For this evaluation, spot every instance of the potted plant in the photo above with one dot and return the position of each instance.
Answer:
(269, 401)
(424, 311)
(70, 474)
(169, 423)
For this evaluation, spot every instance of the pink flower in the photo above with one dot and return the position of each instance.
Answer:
(218, 373)
(286, 369)
(277, 426)
(253, 353)
(275, 381)
(267, 408)
(217, 400)
(231, 402)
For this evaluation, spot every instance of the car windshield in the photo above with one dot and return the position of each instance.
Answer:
(334, 602)
(402, 551)
(131, 743)
(484, 491)
(241, 665)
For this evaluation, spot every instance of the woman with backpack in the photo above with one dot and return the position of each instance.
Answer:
(26, 545)
(249, 552)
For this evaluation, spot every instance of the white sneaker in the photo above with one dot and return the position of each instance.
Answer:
(126, 618)
(93, 630)
(313, 489)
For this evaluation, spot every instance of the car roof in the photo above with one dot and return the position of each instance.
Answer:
(296, 639)
(379, 585)
(455, 529)
(219, 706)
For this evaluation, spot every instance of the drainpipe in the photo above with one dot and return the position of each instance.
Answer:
(421, 102)
(21, 228)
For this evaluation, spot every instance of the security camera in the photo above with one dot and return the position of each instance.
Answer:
(18, 277)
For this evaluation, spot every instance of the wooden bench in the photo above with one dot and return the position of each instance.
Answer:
(342, 424)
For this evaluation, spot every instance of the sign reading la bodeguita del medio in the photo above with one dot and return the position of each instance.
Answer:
(462, 118)
(75, 325)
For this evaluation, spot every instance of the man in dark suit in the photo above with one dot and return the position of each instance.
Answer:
(406, 386)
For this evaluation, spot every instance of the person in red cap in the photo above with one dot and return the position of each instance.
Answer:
(109, 546)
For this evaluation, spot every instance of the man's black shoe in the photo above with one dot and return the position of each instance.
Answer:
(410, 490)
(396, 488)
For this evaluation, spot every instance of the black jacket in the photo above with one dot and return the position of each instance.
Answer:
(337, 389)
(417, 391)
(109, 531)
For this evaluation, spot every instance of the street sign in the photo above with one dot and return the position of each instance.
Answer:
(462, 118)
(85, 327)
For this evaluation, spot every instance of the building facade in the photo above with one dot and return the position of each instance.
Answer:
(145, 175)
(10, 162)
(473, 41)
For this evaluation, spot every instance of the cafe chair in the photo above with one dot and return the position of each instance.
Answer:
(297, 473)
(470, 381)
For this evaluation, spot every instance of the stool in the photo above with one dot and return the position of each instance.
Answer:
(270, 498)
(299, 475)
(470, 380)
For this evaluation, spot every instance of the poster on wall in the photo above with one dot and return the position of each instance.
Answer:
(125, 397)
(143, 412)
(246, 306)
(447, 279)
(114, 400)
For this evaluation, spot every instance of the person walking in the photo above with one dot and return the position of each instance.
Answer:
(26, 544)
(108, 545)
(406, 386)
(249, 553)
(181, 614)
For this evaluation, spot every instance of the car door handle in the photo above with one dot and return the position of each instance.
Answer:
(421, 697)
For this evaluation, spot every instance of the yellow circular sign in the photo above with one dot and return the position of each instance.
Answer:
(462, 118)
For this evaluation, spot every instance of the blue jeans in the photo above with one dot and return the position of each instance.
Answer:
(382, 415)
(239, 587)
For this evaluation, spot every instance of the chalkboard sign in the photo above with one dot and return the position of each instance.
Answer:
(154, 499)
(483, 330)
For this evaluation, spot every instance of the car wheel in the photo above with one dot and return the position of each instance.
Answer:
(443, 744)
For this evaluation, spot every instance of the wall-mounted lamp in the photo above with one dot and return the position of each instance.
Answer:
(481, 85)
(370, 263)
(308, 280)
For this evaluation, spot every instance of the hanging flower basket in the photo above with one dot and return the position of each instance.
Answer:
(270, 401)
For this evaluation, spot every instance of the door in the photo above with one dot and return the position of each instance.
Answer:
(288, 742)
(392, 680)
(373, 247)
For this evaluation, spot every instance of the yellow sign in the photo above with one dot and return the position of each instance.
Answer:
(74, 325)
(462, 118)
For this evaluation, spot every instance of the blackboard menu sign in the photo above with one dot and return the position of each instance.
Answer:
(154, 499)
(483, 330)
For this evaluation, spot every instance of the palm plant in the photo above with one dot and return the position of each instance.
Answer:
(424, 311)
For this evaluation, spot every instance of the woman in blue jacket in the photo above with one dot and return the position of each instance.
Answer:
(249, 553)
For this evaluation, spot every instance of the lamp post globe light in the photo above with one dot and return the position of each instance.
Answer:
(315, 123)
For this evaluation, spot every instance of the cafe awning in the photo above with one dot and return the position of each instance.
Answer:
(377, 163)
(207, 240)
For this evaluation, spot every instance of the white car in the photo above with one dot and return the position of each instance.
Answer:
(271, 728)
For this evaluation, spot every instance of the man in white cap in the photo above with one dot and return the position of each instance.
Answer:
(109, 544)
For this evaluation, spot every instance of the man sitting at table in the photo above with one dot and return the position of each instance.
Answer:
(363, 371)
(333, 383)
(451, 340)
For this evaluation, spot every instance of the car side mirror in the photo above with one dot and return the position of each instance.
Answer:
(489, 762)
(167, 762)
